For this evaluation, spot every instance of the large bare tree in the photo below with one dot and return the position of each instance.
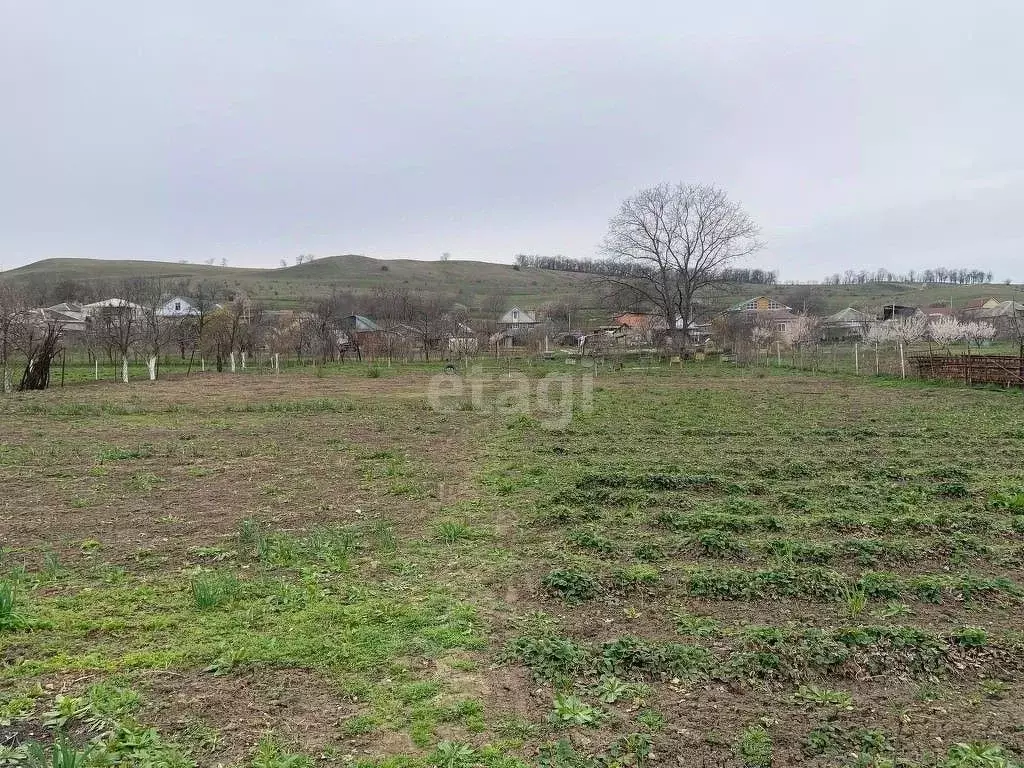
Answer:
(672, 242)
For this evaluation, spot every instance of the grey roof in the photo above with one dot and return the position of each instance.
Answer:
(848, 315)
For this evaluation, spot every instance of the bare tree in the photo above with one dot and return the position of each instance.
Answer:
(40, 342)
(223, 330)
(158, 331)
(427, 314)
(11, 309)
(118, 323)
(672, 242)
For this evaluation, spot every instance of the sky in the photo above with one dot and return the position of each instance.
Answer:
(858, 135)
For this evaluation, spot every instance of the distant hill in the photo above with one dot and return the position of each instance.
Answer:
(476, 284)
(473, 283)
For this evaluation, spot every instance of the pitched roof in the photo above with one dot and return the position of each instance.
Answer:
(639, 320)
(848, 315)
(361, 323)
(517, 315)
(982, 303)
(759, 304)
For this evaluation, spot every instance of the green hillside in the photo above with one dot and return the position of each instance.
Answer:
(479, 285)
(473, 283)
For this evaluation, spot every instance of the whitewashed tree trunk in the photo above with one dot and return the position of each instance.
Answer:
(151, 363)
(277, 362)
(96, 369)
(778, 353)
(856, 358)
(232, 362)
(243, 361)
(124, 369)
(202, 363)
(903, 362)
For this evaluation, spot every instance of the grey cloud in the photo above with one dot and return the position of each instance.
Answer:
(259, 130)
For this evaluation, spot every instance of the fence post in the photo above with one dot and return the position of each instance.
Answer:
(903, 362)
(856, 358)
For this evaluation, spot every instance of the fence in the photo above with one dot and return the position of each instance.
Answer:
(1004, 370)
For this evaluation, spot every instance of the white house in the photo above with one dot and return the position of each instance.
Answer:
(177, 306)
(110, 307)
(517, 318)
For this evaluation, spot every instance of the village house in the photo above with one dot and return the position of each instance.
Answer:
(177, 306)
(845, 325)
(763, 311)
(514, 327)
(1006, 316)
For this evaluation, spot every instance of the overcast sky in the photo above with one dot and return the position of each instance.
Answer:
(858, 134)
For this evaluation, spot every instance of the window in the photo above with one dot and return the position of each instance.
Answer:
(177, 306)
(515, 314)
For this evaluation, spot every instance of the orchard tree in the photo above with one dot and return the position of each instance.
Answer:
(671, 242)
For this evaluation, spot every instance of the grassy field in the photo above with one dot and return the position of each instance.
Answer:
(713, 566)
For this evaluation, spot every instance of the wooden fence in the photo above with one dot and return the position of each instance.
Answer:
(1005, 370)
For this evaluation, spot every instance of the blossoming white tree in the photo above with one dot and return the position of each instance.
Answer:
(977, 333)
(946, 331)
(875, 334)
(907, 330)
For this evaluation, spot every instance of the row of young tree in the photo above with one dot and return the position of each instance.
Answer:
(952, 276)
(614, 267)
(217, 326)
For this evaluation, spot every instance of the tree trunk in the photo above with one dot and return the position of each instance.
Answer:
(151, 363)
(124, 369)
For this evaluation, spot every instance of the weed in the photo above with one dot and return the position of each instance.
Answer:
(696, 626)
(571, 710)
(572, 586)
(611, 689)
(451, 531)
(384, 537)
(754, 747)
(718, 543)
(63, 754)
(9, 617)
(994, 689)
(452, 754)
(855, 600)
(271, 754)
(978, 756)
(211, 591)
(823, 697)
(973, 637)
(651, 719)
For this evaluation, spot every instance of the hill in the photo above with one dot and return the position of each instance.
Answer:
(476, 284)
(473, 283)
